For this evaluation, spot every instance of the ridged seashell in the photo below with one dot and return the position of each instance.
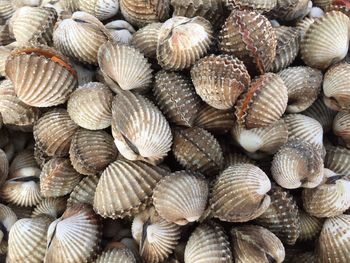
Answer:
(303, 86)
(80, 37)
(208, 243)
(338, 160)
(156, 237)
(197, 150)
(121, 31)
(181, 197)
(336, 87)
(4, 54)
(4, 167)
(182, 41)
(333, 243)
(24, 165)
(140, 12)
(112, 200)
(250, 37)
(140, 130)
(54, 131)
(5, 36)
(341, 126)
(281, 218)
(101, 9)
(256, 244)
(46, 79)
(303, 25)
(176, 97)
(263, 103)
(27, 240)
(297, 164)
(90, 106)
(40, 157)
(260, 6)
(7, 219)
(146, 39)
(125, 65)
(122, 255)
(239, 194)
(288, 10)
(84, 191)
(53, 207)
(319, 49)
(310, 226)
(6, 10)
(219, 80)
(236, 158)
(78, 228)
(58, 178)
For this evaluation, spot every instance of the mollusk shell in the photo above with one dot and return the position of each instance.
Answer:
(116, 255)
(260, 5)
(4, 167)
(310, 226)
(288, 10)
(341, 127)
(146, 39)
(121, 31)
(5, 36)
(4, 54)
(7, 219)
(101, 9)
(84, 191)
(24, 164)
(236, 158)
(6, 10)
(338, 160)
(53, 207)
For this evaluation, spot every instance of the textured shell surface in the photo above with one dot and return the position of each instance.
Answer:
(5, 36)
(338, 159)
(121, 31)
(84, 191)
(310, 226)
(122, 255)
(24, 165)
(260, 5)
(146, 39)
(102, 9)
(4, 167)
(288, 10)
(4, 54)
(341, 127)
(7, 219)
(6, 10)
(53, 207)
(236, 158)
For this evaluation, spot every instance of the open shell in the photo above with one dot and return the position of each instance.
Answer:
(116, 255)
(341, 127)
(53, 207)
(101, 9)
(84, 191)
(146, 39)
(338, 160)
(7, 219)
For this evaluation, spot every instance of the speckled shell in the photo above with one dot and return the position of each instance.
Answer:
(78, 228)
(310, 226)
(24, 165)
(6, 10)
(256, 244)
(319, 48)
(250, 37)
(182, 41)
(4, 167)
(140, 130)
(208, 243)
(101, 9)
(338, 160)
(239, 194)
(341, 127)
(146, 39)
(197, 150)
(303, 86)
(58, 178)
(116, 255)
(5, 36)
(84, 191)
(53, 207)
(121, 31)
(46, 78)
(264, 102)
(176, 97)
(4, 54)
(297, 164)
(90, 106)
(260, 5)
(54, 131)
(7, 219)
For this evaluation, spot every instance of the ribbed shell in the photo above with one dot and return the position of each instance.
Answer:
(40, 157)
(84, 191)
(338, 160)
(259, 5)
(53, 207)
(182, 41)
(4, 54)
(310, 226)
(146, 39)
(326, 41)
(263, 103)
(5, 36)
(7, 219)
(24, 164)
(176, 97)
(341, 127)
(303, 25)
(236, 158)
(116, 255)
(197, 150)
(6, 10)
(4, 167)
(101, 9)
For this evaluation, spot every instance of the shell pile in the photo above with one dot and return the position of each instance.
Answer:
(174, 131)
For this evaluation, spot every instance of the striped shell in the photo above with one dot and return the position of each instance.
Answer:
(341, 127)
(53, 207)
(146, 39)
(116, 255)
(84, 191)
(6, 10)
(4, 54)
(24, 165)
(5, 36)
(260, 5)
(7, 219)
(236, 158)
(338, 160)
(310, 226)
(101, 9)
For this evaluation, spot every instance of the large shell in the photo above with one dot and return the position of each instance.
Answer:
(116, 255)
(319, 48)
(260, 5)
(7, 219)
(84, 191)
(6, 10)
(310, 226)
(341, 127)
(338, 160)
(53, 207)
(182, 41)
(264, 102)
(101, 9)
(146, 39)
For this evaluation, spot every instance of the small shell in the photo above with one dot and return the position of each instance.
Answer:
(6, 10)
(5, 36)
(310, 226)
(259, 5)
(116, 255)
(101, 9)
(319, 48)
(90, 106)
(264, 102)
(182, 41)
(4, 167)
(146, 39)
(121, 31)
(24, 165)
(84, 191)
(288, 10)
(53, 207)
(341, 127)
(338, 160)
(7, 219)
(239, 194)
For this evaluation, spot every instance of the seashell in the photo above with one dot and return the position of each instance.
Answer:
(7, 219)
(27, 240)
(281, 218)
(336, 88)
(40, 157)
(156, 237)
(341, 127)
(24, 165)
(256, 244)
(121, 31)
(252, 109)
(197, 150)
(321, 52)
(135, 138)
(289, 10)
(125, 65)
(259, 6)
(140, 13)
(4, 167)
(19, 3)
(303, 25)
(54, 131)
(297, 164)
(219, 80)
(234, 158)
(39, 63)
(205, 236)
(182, 41)
(58, 178)
(338, 160)
(53, 207)
(239, 194)
(78, 228)
(181, 198)
(333, 243)
(146, 39)
(21, 211)
(92, 151)
(101, 9)
(84, 191)
(90, 106)
(81, 28)
(112, 200)
(176, 97)
(5, 36)
(4, 54)
(122, 255)
(310, 226)
(250, 37)
(6, 10)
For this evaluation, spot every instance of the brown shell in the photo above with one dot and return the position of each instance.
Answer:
(310, 226)
(338, 160)
(146, 39)
(5, 36)
(24, 165)
(4, 167)
(53, 207)
(288, 10)
(21, 211)
(40, 157)
(236, 158)
(7, 220)
(341, 127)
(4, 54)
(84, 191)
(116, 255)
(102, 10)
(6, 10)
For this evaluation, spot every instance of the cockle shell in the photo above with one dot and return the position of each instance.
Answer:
(20, 3)
(288, 10)
(4, 167)
(53, 207)
(5, 36)
(121, 31)
(7, 219)
(341, 127)
(24, 165)
(101, 9)
(84, 74)
(310, 226)
(146, 39)
(260, 5)
(40, 157)
(303, 25)
(116, 255)
(84, 191)
(4, 54)
(6, 10)
(338, 160)
(236, 158)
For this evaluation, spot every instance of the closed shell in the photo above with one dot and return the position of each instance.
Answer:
(101, 9)
(310, 226)
(146, 39)
(84, 191)
(338, 160)
(116, 255)
(236, 158)
(7, 219)
(53, 207)
(5, 36)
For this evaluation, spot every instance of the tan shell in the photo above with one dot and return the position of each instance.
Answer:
(54, 131)
(84, 191)
(46, 79)
(303, 25)
(146, 39)
(24, 165)
(53, 207)
(90, 106)
(341, 127)
(182, 41)
(6, 10)
(7, 219)
(116, 255)
(176, 97)
(78, 228)
(263, 103)
(140, 130)
(260, 5)
(338, 160)
(236, 158)
(101, 9)
(319, 48)
(256, 244)
(310, 226)
(239, 194)
(4, 54)
(4, 167)
(208, 243)
(5, 36)
(197, 150)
